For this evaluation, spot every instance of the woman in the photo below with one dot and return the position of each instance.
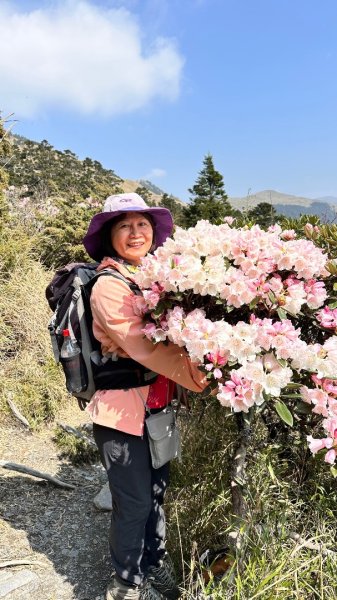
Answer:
(120, 237)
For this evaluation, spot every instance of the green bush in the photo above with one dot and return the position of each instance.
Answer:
(60, 238)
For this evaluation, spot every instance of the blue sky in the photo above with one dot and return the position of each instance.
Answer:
(148, 87)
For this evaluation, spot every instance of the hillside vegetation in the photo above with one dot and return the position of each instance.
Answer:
(41, 171)
(41, 175)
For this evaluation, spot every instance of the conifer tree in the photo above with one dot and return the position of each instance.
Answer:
(145, 194)
(264, 214)
(209, 199)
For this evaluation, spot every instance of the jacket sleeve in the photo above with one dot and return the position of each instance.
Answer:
(117, 327)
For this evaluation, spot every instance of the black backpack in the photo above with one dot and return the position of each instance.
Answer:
(68, 295)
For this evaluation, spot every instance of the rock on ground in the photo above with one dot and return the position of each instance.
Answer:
(11, 581)
(103, 499)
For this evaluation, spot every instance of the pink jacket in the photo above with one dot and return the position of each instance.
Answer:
(119, 330)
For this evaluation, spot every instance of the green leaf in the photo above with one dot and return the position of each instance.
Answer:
(281, 313)
(271, 472)
(335, 286)
(270, 576)
(303, 408)
(333, 304)
(209, 389)
(333, 471)
(254, 303)
(206, 392)
(284, 413)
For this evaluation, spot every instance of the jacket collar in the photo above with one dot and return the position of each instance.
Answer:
(121, 267)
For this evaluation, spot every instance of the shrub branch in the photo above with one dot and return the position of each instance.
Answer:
(238, 481)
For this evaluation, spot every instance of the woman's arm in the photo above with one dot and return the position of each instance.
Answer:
(117, 327)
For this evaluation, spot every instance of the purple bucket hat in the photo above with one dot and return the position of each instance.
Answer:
(117, 205)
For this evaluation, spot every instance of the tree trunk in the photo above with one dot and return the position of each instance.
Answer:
(238, 482)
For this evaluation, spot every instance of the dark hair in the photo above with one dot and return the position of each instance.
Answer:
(106, 233)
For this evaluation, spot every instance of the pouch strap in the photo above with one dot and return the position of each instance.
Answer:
(147, 409)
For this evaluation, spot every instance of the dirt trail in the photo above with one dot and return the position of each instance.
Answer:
(60, 529)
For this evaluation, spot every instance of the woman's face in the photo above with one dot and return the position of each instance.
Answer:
(132, 237)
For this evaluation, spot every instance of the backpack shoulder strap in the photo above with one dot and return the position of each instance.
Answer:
(112, 273)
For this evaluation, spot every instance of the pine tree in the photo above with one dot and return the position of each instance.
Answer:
(264, 214)
(145, 194)
(209, 199)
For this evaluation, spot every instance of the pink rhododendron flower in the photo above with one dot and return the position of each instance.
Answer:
(330, 457)
(308, 229)
(319, 398)
(237, 394)
(330, 426)
(327, 317)
(216, 358)
(288, 234)
(316, 293)
(319, 444)
(315, 444)
(151, 298)
(329, 386)
(149, 330)
(176, 259)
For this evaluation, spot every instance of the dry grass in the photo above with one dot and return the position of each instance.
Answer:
(292, 494)
(29, 375)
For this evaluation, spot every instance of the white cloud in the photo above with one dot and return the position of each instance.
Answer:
(84, 58)
(155, 173)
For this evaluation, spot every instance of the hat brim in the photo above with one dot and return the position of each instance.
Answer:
(93, 243)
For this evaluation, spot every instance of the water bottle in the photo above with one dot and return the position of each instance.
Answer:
(72, 363)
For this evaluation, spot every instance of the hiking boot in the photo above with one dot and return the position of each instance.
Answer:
(163, 578)
(117, 590)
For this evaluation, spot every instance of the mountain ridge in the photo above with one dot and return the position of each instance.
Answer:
(42, 170)
(289, 204)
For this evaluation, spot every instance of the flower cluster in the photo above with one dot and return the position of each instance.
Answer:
(327, 317)
(236, 299)
(238, 266)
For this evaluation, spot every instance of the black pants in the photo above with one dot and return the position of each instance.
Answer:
(137, 534)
